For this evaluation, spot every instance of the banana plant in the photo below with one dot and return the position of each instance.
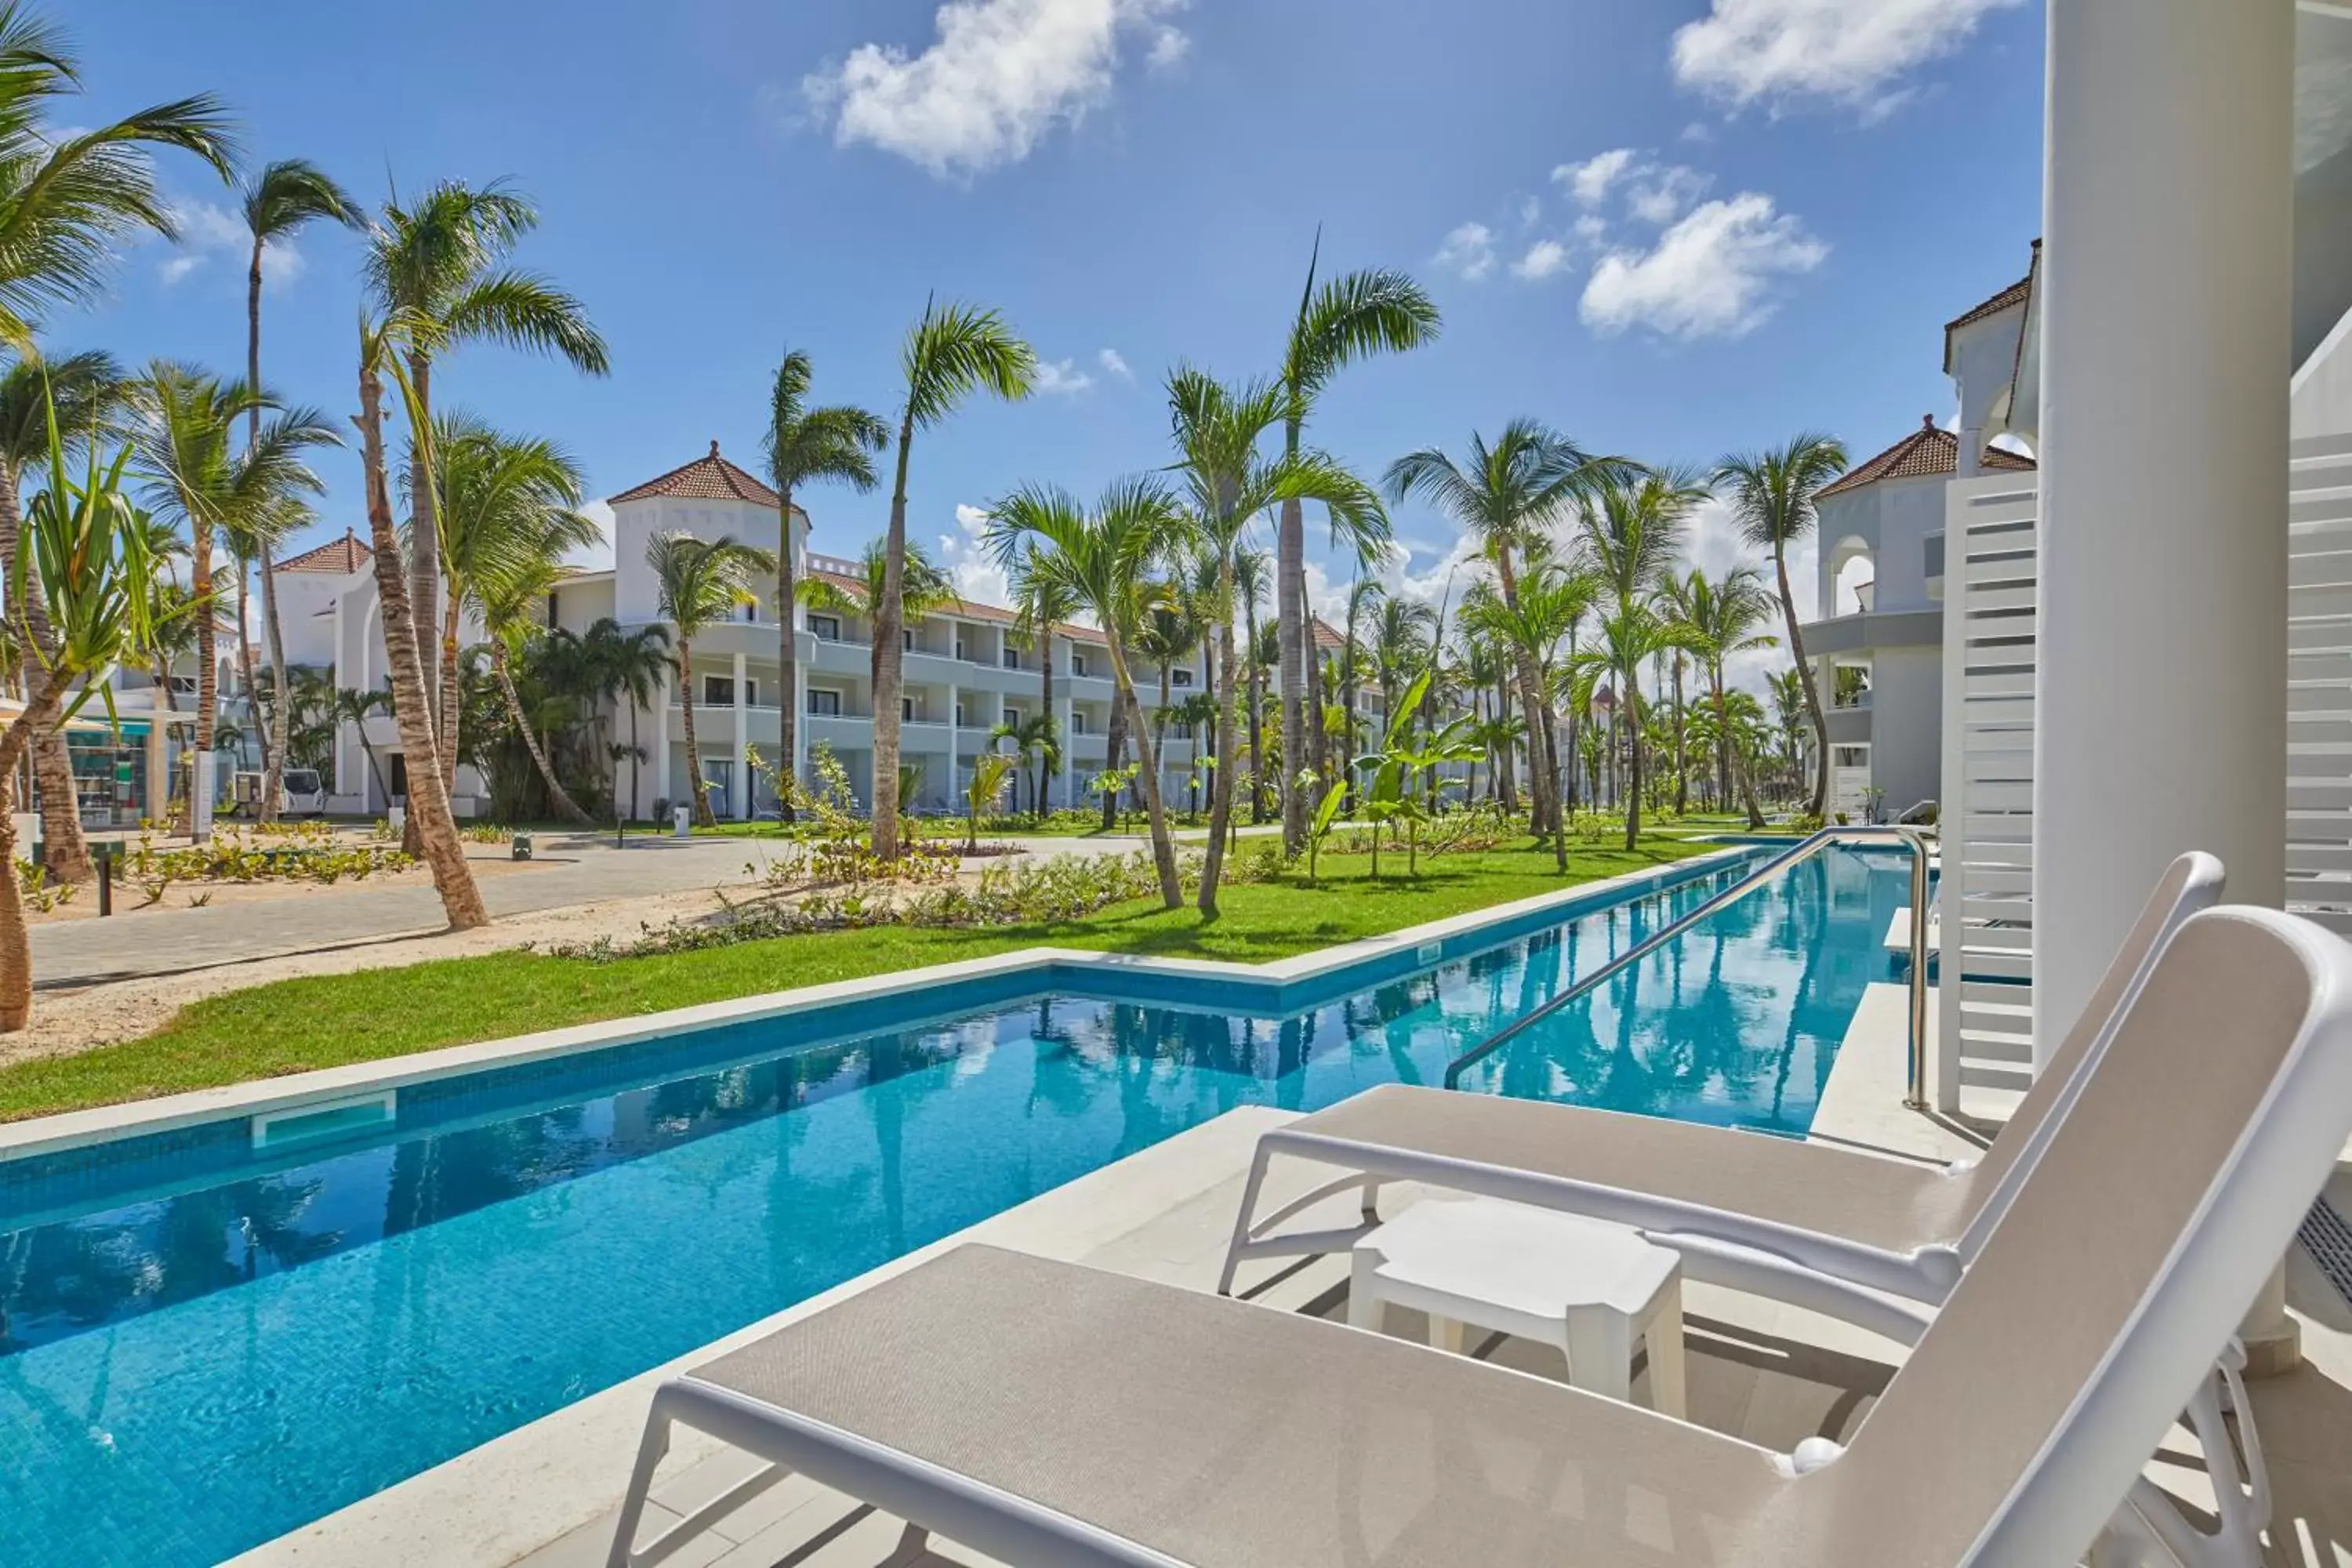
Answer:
(1327, 815)
(989, 771)
(1392, 796)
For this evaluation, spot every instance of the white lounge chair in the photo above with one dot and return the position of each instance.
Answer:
(1051, 1416)
(1811, 1224)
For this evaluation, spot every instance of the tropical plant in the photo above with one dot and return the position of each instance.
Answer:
(1042, 604)
(1554, 598)
(436, 269)
(952, 352)
(1350, 317)
(1508, 495)
(1261, 650)
(1774, 494)
(429, 815)
(1404, 759)
(1723, 616)
(70, 198)
(508, 510)
(354, 706)
(1102, 556)
(1036, 745)
(989, 771)
(1230, 484)
(804, 445)
(83, 390)
(697, 582)
(279, 201)
(84, 551)
(184, 431)
(628, 664)
(1320, 826)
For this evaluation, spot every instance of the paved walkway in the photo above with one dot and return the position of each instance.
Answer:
(574, 872)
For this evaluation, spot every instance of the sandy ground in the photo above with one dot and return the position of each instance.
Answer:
(67, 1022)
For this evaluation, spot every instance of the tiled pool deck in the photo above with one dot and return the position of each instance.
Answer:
(542, 1496)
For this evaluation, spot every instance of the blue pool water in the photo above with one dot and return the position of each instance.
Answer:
(198, 1352)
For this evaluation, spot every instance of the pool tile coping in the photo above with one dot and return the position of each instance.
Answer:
(77, 1129)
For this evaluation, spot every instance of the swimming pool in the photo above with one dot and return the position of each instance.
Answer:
(201, 1349)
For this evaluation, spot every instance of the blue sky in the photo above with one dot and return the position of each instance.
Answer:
(1667, 228)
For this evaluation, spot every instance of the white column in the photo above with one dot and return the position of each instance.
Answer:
(2167, 277)
(1068, 784)
(741, 771)
(799, 699)
(2167, 274)
(955, 747)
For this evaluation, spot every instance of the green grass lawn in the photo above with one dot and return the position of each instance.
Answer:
(295, 1026)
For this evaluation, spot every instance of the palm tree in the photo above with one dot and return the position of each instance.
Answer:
(1103, 556)
(438, 266)
(953, 352)
(628, 664)
(1554, 598)
(83, 389)
(1037, 747)
(1400, 651)
(355, 707)
(1364, 596)
(804, 444)
(279, 202)
(1252, 570)
(1723, 616)
(70, 198)
(1773, 495)
(1230, 484)
(184, 432)
(1350, 317)
(509, 515)
(96, 580)
(697, 583)
(1161, 635)
(924, 590)
(1043, 602)
(1508, 495)
(434, 824)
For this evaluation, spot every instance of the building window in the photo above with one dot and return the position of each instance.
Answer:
(1077, 722)
(824, 702)
(1179, 730)
(961, 720)
(183, 685)
(719, 691)
(1011, 658)
(1181, 677)
(827, 628)
(1077, 662)
(750, 693)
(905, 709)
(1011, 714)
(962, 650)
(906, 641)
(718, 773)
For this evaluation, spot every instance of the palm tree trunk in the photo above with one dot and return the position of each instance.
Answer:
(1053, 730)
(1545, 817)
(39, 717)
(274, 733)
(254, 722)
(788, 655)
(888, 678)
(428, 802)
(1221, 788)
(281, 710)
(63, 851)
(450, 702)
(1682, 762)
(1805, 670)
(695, 782)
(1114, 748)
(568, 808)
(1163, 849)
(1290, 594)
(425, 539)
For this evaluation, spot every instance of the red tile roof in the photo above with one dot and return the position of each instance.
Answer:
(1927, 451)
(970, 609)
(1327, 635)
(339, 557)
(2016, 293)
(708, 477)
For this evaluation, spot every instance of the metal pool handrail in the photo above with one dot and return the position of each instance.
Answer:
(1915, 1093)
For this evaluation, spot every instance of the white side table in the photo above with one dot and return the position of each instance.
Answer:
(1589, 1288)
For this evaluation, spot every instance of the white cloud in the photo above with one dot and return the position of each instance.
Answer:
(1590, 228)
(1544, 257)
(1589, 181)
(998, 78)
(1062, 377)
(1711, 274)
(207, 231)
(1531, 210)
(1113, 362)
(1713, 545)
(1848, 51)
(1169, 48)
(969, 565)
(1469, 250)
(1664, 193)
